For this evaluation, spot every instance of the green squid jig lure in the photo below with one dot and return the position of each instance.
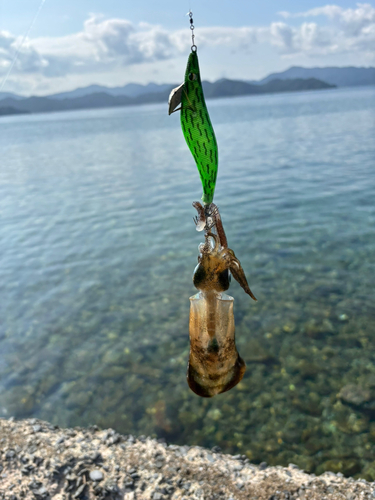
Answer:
(215, 365)
(196, 124)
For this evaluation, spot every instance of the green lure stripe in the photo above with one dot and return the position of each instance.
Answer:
(197, 128)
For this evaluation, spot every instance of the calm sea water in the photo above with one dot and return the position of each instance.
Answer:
(97, 250)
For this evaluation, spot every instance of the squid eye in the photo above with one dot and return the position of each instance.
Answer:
(192, 76)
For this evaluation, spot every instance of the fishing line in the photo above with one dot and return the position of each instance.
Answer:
(1, 15)
(21, 44)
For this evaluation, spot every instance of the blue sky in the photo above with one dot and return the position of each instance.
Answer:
(77, 43)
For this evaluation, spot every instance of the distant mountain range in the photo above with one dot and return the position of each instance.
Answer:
(4, 95)
(221, 88)
(341, 77)
(8, 110)
(130, 90)
(98, 96)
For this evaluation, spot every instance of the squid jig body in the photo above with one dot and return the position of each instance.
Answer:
(196, 126)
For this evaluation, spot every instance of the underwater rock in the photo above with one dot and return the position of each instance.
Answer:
(348, 467)
(354, 395)
(310, 405)
(214, 414)
(353, 424)
(325, 290)
(318, 330)
(254, 352)
(307, 369)
(159, 413)
(78, 399)
(350, 341)
(369, 472)
(114, 372)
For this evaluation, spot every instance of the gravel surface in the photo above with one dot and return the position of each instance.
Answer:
(41, 461)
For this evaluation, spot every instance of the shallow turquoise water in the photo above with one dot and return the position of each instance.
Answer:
(98, 247)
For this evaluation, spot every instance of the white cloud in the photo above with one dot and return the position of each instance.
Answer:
(108, 45)
(350, 21)
(109, 41)
(29, 60)
(328, 11)
(348, 30)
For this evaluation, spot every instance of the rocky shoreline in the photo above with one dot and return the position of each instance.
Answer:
(39, 461)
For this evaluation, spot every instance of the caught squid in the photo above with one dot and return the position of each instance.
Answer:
(214, 363)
